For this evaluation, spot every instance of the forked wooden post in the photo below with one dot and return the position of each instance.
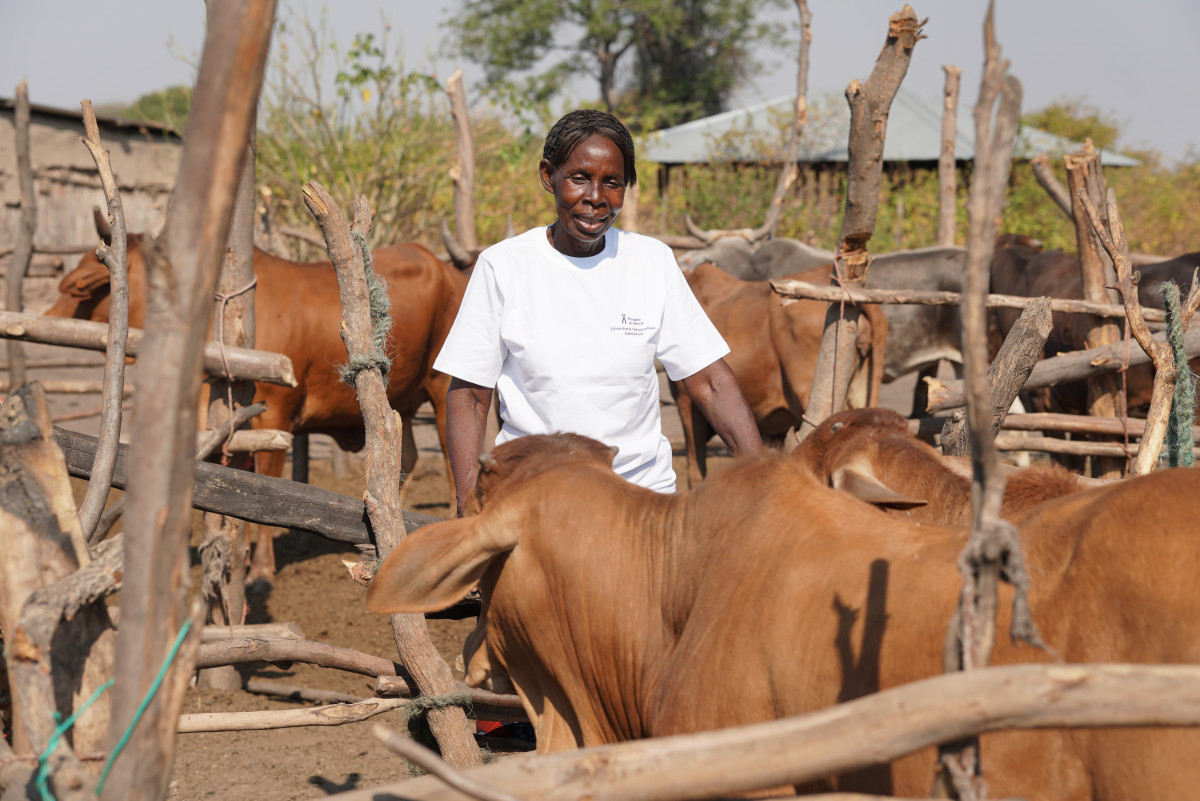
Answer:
(429, 671)
(1159, 351)
(870, 104)
(1084, 175)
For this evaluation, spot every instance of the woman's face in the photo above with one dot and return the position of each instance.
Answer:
(589, 189)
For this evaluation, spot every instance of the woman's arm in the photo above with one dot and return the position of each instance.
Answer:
(715, 390)
(467, 407)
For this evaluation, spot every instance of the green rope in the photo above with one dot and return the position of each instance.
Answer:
(43, 771)
(381, 322)
(141, 710)
(416, 714)
(1180, 441)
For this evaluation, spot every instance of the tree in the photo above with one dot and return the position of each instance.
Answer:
(168, 106)
(1076, 119)
(667, 62)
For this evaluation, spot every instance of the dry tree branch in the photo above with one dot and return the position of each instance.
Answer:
(992, 540)
(1159, 351)
(349, 253)
(1056, 191)
(114, 257)
(828, 742)
(422, 757)
(789, 170)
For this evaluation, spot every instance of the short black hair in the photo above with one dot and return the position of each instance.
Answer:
(575, 126)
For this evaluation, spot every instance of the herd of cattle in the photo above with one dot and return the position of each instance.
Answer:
(626, 614)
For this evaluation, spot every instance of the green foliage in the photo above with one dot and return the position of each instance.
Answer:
(1076, 119)
(168, 106)
(658, 63)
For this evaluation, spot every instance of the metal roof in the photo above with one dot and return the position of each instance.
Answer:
(914, 133)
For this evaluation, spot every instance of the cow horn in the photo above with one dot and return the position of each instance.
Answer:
(696, 230)
(102, 226)
(866, 487)
(458, 254)
(510, 231)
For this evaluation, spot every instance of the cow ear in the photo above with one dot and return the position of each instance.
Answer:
(866, 487)
(614, 450)
(436, 566)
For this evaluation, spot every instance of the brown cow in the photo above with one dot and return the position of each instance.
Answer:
(297, 313)
(871, 454)
(773, 352)
(619, 613)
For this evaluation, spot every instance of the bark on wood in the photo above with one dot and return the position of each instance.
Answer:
(807, 747)
(870, 104)
(806, 290)
(223, 550)
(181, 272)
(1114, 450)
(295, 693)
(1045, 178)
(333, 715)
(992, 540)
(256, 365)
(252, 497)
(53, 664)
(1062, 368)
(113, 255)
(282, 631)
(463, 171)
(1081, 424)
(789, 169)
(69, 387)
(947, 172)
(430, 673)
(246, 650)
(27, 225)
(1105, 398)
(1160, 352)
(1022, 349)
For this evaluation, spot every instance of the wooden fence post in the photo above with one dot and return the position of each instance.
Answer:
(870, 104)
(947, 172)
(1105, 398)
(23, 251)
(182, 267)
(429, 671)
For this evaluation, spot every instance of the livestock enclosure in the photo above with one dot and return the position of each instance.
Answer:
(113, 643)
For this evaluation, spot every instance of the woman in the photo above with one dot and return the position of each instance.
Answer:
(567, 320)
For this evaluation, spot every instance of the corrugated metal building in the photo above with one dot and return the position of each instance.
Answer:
(758, 134)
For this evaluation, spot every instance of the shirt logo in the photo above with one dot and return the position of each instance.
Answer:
(631, 326)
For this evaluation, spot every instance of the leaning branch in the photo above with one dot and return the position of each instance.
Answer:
(114, 257)
(808, 747)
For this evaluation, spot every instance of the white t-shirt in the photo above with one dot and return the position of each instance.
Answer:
(570, 343)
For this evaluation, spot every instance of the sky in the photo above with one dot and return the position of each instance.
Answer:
(1135, 62)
